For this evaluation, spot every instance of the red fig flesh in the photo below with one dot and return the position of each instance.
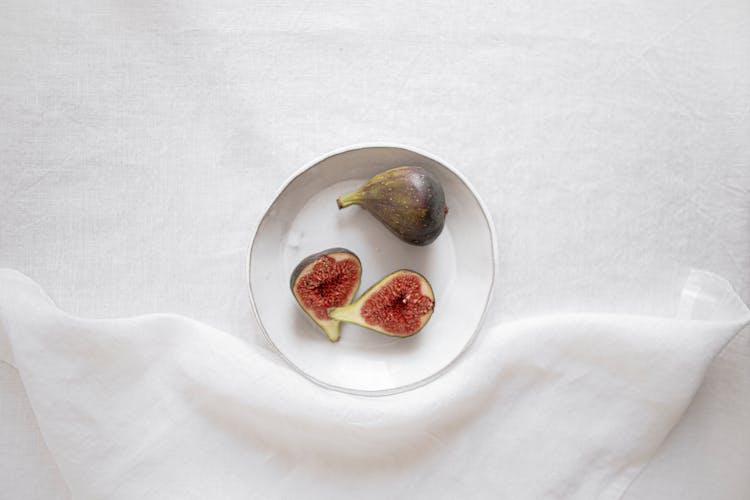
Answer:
(399, 305)
(324, 280)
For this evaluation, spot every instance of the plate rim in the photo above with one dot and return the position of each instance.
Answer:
(493, 243)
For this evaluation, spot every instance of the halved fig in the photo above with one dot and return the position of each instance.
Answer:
(324, 280)
(399, 305)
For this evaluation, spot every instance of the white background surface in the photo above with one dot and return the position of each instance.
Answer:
(140, 143)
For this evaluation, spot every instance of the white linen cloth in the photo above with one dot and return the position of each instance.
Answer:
(141, 141)
(160, 406)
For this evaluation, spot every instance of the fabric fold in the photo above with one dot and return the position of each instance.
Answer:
(161, 406)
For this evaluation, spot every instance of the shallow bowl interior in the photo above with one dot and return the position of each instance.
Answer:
(304, 219)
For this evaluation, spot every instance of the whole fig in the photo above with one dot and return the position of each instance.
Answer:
(409, 201)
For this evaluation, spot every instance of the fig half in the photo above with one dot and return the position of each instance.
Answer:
(398, 305)
(409, 201)
(324, 280)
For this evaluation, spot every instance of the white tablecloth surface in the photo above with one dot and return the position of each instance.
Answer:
(141, 142)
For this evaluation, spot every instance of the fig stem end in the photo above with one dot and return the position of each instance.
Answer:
(344, 313)
(333, 331)
(348, 199)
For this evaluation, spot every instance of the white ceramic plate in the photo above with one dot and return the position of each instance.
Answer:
(304, 219)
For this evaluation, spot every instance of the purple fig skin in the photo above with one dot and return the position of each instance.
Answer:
(409, 201)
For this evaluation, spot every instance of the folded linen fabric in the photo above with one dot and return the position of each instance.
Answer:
(160, 406)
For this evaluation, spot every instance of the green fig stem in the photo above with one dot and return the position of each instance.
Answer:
(349, 199)
(333, 331)
(344, 313)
